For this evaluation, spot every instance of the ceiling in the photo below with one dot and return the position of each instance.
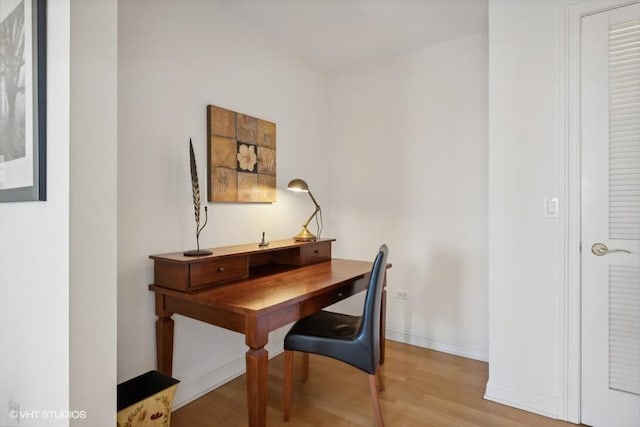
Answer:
(339, 33)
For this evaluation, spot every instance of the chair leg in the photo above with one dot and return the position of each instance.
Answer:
(305, 366)
(288, 383)
(379, 378)
(373, 386)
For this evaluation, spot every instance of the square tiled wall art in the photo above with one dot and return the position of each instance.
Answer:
(241, 157)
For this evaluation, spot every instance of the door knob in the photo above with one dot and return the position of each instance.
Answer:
(600, 249)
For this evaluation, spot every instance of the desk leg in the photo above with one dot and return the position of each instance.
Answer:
(257, 359)
(164, 338)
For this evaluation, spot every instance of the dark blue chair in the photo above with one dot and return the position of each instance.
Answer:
(351, 339)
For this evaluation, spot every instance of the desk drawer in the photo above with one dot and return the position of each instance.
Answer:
(217, 272)
(315, 252)
(319, 302)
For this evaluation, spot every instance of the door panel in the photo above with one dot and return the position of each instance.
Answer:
(610, 112)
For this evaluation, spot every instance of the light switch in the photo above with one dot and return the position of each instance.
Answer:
(551, 207)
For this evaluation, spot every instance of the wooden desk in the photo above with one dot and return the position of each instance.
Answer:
(272, 296)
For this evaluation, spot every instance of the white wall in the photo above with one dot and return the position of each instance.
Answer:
(34, 261)
(173, 61)
(93, 211)
(409, 168)
(524, 147)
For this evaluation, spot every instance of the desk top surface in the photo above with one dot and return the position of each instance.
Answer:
(261, 295)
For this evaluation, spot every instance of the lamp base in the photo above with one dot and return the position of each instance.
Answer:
(197, 252)
(304, 236)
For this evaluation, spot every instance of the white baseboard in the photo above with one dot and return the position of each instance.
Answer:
(542, 405)
(437, 344)
(190, 390)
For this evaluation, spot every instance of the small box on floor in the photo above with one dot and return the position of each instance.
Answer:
(146, 400)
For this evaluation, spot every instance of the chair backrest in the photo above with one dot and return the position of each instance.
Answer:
(369, 334)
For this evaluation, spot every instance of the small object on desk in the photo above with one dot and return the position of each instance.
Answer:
(305, 235)
(195, 188)
(262, 243)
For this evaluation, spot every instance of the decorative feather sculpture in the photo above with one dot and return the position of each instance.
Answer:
(195, 187)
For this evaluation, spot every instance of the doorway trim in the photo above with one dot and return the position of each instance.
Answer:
(569, 399)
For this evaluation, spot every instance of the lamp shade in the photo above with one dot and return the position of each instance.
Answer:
(298, 185)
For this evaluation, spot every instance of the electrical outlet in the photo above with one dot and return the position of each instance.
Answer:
(402, 294)
(14, 409)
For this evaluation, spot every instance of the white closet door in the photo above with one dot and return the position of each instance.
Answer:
(610, 71)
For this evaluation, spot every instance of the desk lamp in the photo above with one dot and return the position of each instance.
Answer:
(301, 186)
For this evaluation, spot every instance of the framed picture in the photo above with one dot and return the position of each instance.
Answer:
(241, 157)
(23, 124)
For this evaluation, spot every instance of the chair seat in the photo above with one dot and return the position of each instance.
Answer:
(333, 335)
(326, 324)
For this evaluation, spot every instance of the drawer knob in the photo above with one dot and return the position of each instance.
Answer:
(221, 269)
(340, 294)
(316, 251)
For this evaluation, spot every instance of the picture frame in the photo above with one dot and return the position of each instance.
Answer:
(23, 109)
(241, 157)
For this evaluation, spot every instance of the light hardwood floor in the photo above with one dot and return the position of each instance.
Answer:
(423, 388)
